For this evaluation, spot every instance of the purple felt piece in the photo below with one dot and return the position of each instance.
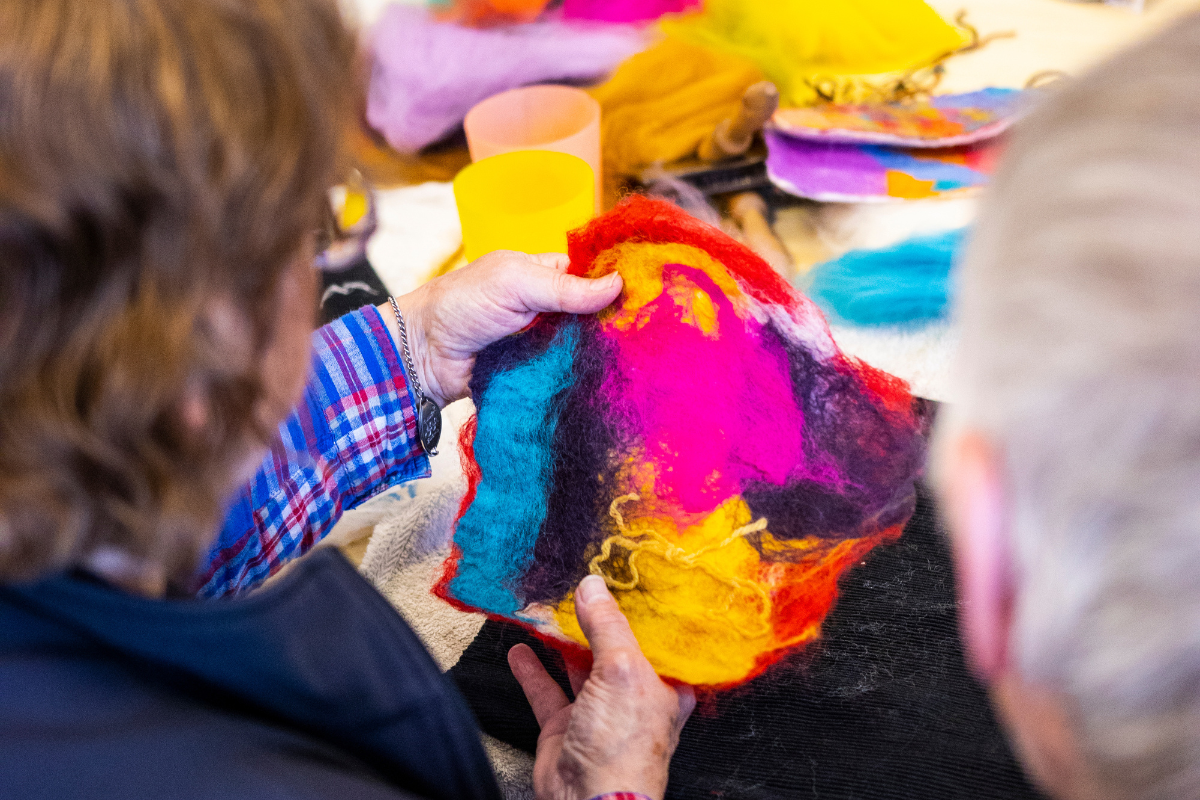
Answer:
(426, 74)
(836, 169)
(856, 173)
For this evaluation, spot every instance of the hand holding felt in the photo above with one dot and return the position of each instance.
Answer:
(624, 725)
(453, 317)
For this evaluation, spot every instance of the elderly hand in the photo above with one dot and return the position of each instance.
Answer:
(620, 733)
(453, 317)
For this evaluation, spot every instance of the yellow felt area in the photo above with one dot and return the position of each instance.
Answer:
(705, 607)
(696, 305)
(695, 597)
(641, 267)
(660, 104)
(905, 186)
(798, 42)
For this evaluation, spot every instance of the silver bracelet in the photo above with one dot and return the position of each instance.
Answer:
(429, 416)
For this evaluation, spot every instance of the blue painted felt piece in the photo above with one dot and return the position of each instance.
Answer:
(902, 284)
(946, 176)
(518, 416)
(999, 100)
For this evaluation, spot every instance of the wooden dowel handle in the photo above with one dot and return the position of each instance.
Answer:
(749, 210)
(733, 136)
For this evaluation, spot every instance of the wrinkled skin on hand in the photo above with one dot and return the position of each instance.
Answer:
(453, 317)
(622, 729)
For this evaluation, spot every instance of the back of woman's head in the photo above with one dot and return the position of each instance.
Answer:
(162, 163)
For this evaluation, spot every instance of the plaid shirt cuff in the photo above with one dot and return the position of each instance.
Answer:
(353, 436)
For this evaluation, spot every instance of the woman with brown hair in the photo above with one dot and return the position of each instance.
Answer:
(163, 164)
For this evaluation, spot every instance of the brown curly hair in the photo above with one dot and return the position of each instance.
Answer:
(158, 159)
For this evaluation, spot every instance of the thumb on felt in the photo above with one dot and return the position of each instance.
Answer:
(544, 290)
(601, 619)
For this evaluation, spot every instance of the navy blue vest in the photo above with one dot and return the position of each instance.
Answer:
(312, 688)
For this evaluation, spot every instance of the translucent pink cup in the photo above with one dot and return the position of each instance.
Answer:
(544, 117)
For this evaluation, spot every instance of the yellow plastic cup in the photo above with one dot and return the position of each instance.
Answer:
(526, 200)
(543, 117)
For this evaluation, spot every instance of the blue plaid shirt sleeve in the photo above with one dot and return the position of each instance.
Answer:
(353, 435)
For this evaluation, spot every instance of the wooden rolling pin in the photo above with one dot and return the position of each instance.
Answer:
(733, 136)
(749, 211)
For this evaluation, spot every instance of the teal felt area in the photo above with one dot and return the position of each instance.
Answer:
(518, 417)
(906, 283)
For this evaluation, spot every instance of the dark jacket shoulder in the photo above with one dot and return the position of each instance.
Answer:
(312, 688)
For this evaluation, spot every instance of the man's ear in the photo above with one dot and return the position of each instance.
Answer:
(976, 507)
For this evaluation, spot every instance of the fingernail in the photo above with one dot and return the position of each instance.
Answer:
(613, 278)
(592, 588)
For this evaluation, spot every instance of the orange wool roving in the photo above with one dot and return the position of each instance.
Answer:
(702, 444)
(488, 13)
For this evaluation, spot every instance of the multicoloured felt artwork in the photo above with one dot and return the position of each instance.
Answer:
(702, 444)
(858, 173)
(950, 120)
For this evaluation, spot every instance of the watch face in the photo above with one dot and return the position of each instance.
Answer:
(429, 424)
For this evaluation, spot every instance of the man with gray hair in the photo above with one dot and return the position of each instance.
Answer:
(1070, 468)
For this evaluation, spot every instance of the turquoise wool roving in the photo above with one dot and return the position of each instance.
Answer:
(513, 446)
(902, 284)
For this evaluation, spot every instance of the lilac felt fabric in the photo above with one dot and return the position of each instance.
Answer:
(810, 167)
(426, 74)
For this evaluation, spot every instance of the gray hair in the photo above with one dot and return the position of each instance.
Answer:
(1080, 357)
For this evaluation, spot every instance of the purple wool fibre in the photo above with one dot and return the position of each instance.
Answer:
(426, 75)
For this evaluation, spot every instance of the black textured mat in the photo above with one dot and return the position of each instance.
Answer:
(350, 289)
(881, 708)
